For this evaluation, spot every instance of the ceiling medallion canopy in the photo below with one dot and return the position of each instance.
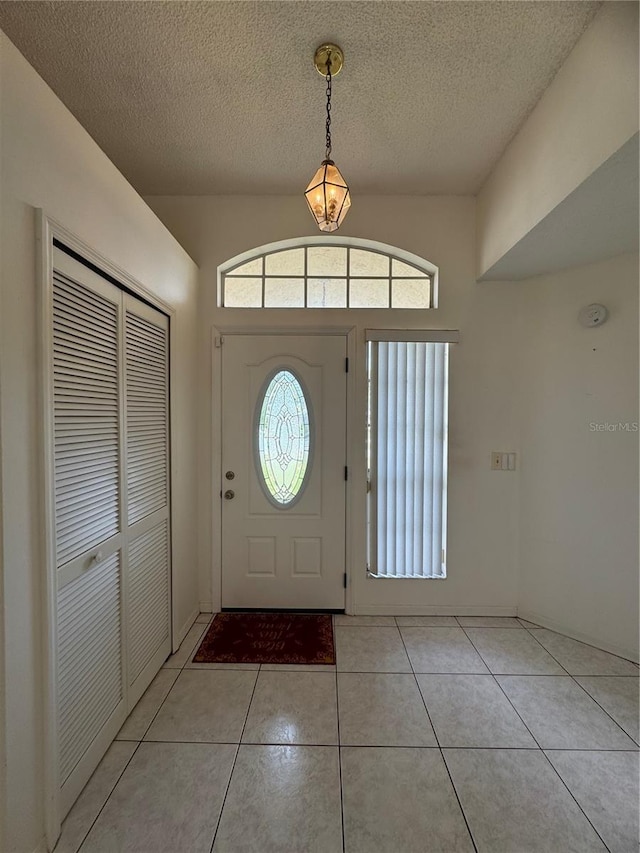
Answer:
(328, 194)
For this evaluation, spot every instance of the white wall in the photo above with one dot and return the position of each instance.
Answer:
(525, 377)
(579, 487)
(483, 505)
(49, 161)
(3, 760)
(589, 111)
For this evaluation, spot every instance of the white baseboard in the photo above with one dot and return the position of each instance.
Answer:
(433, 610)
(589, 639)
(184, 630)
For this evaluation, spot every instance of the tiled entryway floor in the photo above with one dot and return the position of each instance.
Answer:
(431, 734)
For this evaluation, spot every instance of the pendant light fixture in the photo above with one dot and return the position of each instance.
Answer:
(328, 195)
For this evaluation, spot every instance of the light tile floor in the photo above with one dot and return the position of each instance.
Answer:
(431, 734)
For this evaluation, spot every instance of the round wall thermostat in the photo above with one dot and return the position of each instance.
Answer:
(593, 315)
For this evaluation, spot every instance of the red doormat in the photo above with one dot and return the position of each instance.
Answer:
(304, 638)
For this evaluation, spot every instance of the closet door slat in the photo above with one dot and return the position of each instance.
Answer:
(86, 418)
(148, 596)
(89, 658)
(146, 368)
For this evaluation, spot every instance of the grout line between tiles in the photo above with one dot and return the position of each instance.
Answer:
(574, 798)
(233, 766)
(600, 675)
(516, 673)
(582, 643)
(550, 654)
(226, 791)
(340, 758)
(102, 808)
(533, 631)
(508, 698)
(136, 741)
(593, 699)
(203, 667)
(435, 734)
(505, 694)
(387, 626)
(170, 669)
(175, 680)
(384, 745)
(604, 710)
(457, 672)
(151, 721)
(584, 749)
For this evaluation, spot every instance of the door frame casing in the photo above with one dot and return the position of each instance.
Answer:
(217, 332)
(48, 229)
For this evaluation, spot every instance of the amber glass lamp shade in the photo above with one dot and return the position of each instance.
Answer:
(328, 197)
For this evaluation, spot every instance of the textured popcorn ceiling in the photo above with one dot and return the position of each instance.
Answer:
(222, 97)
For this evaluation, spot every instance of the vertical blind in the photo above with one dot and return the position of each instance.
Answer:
(408, 458)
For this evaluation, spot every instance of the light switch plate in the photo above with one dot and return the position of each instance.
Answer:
(502, 460)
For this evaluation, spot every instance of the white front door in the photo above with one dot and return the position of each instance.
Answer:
(283, 471)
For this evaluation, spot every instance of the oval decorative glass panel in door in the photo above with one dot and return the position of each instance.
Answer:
(283, 438)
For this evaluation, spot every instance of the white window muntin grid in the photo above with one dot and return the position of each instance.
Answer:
(424, 270)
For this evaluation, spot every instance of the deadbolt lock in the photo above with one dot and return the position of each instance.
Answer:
(229, 475)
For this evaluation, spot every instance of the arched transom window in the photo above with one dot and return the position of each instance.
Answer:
(321, 273)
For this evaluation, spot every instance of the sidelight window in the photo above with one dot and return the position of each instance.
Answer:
(407, 453)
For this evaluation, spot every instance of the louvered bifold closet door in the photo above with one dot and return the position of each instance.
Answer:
(87, 450)
(147, 492)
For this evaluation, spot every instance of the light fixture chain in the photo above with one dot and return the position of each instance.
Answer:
(328, 194)
(328, 79)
